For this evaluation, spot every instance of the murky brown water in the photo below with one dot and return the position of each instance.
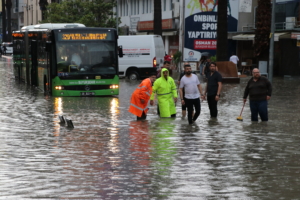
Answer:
(109, 155)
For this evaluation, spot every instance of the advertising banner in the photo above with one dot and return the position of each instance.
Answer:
(200, 34)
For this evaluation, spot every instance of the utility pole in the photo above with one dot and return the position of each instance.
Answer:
(3, 21)
(157, 27)
(271, 50)
(117, 16)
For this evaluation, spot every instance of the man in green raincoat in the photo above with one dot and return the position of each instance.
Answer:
(165, 89)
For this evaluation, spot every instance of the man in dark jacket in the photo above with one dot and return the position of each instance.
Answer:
(213, 89)
(259, 90)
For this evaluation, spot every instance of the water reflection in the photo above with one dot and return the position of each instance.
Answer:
(163, 153)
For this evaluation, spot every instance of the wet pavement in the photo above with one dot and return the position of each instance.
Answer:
(110, 155)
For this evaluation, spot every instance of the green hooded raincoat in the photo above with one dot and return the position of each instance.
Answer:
(165, 89)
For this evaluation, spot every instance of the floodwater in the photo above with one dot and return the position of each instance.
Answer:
(110, 155)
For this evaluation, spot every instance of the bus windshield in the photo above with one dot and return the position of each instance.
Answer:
(86, 58)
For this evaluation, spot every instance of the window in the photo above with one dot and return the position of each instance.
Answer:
(165, 5)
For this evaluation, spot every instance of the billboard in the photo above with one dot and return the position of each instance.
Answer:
(200, 28)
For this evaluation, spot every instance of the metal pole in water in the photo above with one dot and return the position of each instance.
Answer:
(27, 57)
(271, 50)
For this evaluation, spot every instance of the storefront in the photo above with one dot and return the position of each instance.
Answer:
(286, 52)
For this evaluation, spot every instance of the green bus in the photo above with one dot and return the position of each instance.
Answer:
(68, 59)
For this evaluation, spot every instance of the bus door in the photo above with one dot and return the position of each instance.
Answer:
(18, 57)
(34, 63)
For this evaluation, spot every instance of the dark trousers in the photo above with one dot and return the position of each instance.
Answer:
(144, 116)
(259, 108)
(190, 104)
(212, 104)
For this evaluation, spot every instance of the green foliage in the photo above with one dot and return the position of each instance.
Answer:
(213, 58)
(177, 57)
(94, 13)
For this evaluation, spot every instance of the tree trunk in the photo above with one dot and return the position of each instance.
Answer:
(222, 43)
(8, 10)
(3, 22)
(43, 4)
(263, 27)
(157, 18)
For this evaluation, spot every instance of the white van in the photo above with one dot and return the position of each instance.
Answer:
(143, 54)
(9, 47)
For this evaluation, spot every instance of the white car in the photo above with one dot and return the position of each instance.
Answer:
(9, 47)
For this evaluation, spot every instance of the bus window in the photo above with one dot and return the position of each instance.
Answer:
(84, 57)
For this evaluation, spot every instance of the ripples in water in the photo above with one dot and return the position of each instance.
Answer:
(109, 155)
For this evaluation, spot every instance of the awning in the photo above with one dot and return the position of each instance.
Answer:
(243, 37)
(141, 33)
(164, 33)
(169, 33)
(277, 35)
(252, 36)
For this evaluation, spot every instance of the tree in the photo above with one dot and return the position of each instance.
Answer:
(95, 13)
(222, 43)
(8, 10)
(43, 4)
(157, 27)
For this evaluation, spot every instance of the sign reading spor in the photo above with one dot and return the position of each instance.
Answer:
(200, 32)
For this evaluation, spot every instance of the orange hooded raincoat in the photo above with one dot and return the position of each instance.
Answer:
(143, 91)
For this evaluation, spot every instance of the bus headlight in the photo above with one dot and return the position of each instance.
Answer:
(59, 87)
(114, 86)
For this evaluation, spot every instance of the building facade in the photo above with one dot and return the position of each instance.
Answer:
(137, 19)
(286, 37)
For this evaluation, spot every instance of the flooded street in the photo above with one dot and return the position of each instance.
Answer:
(110, 155)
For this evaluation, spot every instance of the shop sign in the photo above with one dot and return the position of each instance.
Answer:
(148, 25)
(200, 32)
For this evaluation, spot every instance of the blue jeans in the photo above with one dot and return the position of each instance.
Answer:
(259, 108)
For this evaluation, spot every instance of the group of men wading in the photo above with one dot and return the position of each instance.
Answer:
(191, 92)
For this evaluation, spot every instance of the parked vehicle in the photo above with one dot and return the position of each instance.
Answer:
(143, 54)
(9, 47)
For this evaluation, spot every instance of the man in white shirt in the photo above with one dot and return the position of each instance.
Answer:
(193, 93)
(234, 59)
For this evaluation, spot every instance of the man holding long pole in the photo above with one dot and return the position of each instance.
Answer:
(259, 90)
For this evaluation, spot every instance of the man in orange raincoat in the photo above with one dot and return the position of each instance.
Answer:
(140, 97)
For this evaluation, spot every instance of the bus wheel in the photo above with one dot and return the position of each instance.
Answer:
(133, 75)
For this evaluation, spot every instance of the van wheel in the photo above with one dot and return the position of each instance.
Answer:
(133, 75)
